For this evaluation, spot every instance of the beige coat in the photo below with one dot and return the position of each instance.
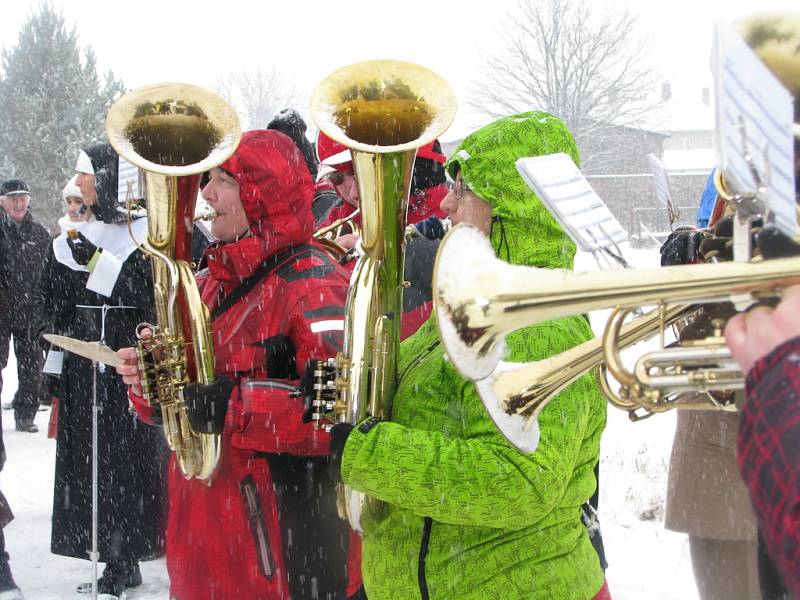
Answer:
(705, 495)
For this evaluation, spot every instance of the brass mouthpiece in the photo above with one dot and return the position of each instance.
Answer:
(207, 214)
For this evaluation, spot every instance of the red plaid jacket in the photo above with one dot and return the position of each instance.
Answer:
(769, 454)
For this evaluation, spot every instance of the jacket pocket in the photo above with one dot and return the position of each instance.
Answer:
(258, 525)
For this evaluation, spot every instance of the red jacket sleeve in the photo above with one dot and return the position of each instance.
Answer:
(271, 420)
(769, 454)
(144, 411)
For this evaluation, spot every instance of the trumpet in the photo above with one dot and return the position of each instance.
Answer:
(334, 230)
(479, 299)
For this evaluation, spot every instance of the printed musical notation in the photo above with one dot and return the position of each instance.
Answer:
(561, 186)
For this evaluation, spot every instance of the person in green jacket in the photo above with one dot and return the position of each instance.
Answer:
(464, 514)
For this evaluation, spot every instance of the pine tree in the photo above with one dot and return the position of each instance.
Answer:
(52, 103)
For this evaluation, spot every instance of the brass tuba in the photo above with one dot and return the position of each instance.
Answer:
(383, 110)
(174, 132)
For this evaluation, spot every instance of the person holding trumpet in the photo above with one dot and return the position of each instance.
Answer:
(464, 514)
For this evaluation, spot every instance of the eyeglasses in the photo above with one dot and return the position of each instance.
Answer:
(459, 187)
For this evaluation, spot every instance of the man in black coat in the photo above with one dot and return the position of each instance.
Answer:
(25, 246)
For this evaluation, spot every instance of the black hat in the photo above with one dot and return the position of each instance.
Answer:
(14, 187)
(289, 122)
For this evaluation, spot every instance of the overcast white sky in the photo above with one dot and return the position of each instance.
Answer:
(149, 41)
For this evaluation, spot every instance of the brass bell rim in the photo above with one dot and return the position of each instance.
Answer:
(218, 110)
(439, 94)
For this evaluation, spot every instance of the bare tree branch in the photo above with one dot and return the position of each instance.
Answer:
(581, 62)
(258, 94)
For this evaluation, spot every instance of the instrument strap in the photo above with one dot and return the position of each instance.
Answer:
(268, 266)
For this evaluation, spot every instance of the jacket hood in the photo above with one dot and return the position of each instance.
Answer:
(523, 230)
(276, 192)
(105, 162)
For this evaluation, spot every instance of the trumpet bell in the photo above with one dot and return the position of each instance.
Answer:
(521, 431)
(471, 337)
(158, 129)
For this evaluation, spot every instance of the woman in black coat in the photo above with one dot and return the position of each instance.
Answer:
(99, 287)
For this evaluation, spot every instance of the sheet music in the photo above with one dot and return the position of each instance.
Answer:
(663, 190)
(750, 98)
(561, 186)
(129, 175)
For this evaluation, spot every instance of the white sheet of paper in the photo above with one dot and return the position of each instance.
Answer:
(563, 189)
(129, 175)
(663, 190)
(747, 92)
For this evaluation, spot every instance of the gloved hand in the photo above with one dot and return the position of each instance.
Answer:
(682, 247)
(52, 384)
(82, 249)
(339, 434)
(720, 244)
(305, 390)
(206, 404)
(773, 243)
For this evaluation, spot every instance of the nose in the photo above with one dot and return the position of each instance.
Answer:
(207, 194)
(449, 203)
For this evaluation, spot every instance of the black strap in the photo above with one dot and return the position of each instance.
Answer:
(247, 284)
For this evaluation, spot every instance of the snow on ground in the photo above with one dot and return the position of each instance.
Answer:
(645, 560)
(27, 482)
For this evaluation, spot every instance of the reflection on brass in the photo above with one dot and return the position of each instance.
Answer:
(174, 132)
(384, 122)
(382, 111)
(173, 140)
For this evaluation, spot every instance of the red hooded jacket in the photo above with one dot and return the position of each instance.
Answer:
(267, 526)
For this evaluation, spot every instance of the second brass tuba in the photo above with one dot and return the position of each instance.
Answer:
(383, 111)
(174, 132)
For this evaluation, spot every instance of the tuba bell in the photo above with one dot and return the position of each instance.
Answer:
(174, 132)
(383, 111)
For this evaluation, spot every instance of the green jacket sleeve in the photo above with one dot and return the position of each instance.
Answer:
(474, 476)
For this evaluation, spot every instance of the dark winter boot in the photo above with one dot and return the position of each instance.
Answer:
(115, 579)
(8, 589)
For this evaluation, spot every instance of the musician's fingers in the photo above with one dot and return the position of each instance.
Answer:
(127, 355)
(752, 335)
(133, 381)
(791, 295)
(347, 241)
(736, 336)
(128, 369)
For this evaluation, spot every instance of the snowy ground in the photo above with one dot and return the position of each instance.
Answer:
(645, 561)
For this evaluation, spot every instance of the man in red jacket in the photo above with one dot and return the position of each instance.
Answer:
(766, 344)
(337, 194)
(267, 526)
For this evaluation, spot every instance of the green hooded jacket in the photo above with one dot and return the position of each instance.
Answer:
(464, 514)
